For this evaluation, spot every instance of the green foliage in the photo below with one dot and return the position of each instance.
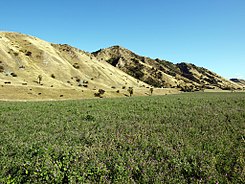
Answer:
(13, 74)
(39, 79)
(53, 76)
(131, 91)
(187, 138)
(76, 65)
(113, 61)
(28, 53)
(100, 93)
(154, 82)
(1, 69)
(136, 70)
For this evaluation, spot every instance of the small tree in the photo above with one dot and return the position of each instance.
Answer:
(100, 93)
(151, 91)
(131, 91)
(39, 79)
(53, 76)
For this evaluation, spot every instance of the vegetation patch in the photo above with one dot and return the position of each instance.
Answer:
(136, 70)
(28, 53)
(113, 61)
(154, 82)
(187, 138)
(76, 65)
(99, 93)
(53, 76)
(13, 74)
(1, 69)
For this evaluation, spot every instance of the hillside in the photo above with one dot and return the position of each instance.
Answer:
(66, 71)
(31, 68)
(162, 73)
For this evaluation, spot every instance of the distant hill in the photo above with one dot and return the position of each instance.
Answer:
(162, 73)
(72, 73)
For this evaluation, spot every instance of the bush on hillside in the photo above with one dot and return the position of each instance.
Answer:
(1, 69)
(131, 91)
(13, 74)
(28, 53)
(75, 65)
(99, 93)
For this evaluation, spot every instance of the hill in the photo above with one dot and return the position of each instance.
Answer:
(66, 71)
(31, 68)
(162, 73)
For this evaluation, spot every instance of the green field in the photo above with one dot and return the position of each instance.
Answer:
(186, 138)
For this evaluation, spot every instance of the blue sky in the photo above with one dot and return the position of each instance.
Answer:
(207, 33)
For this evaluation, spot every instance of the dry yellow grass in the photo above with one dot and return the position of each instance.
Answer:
(67, 72)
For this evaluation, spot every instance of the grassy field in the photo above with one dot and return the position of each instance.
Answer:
(186, 138)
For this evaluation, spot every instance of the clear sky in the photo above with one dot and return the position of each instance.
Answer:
(207, 33)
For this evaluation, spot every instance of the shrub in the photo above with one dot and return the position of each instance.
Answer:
(100, 93)
(75, 65)
(53, 76)
(1, 69)
(131, 91)
(151, 90)
(97, 95)
(113, 61)
(22, 67)
(154, 82)
(28, 53)
(13, 74)
(39, 79)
